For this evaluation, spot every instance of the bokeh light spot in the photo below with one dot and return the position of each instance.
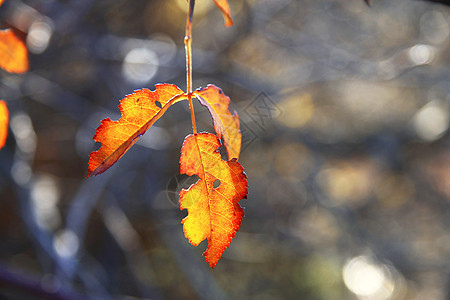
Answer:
(140, 65)
(39, 36)
(421, 54)
(366, 279)
(297, 111)
(66, 243)
(432, 121)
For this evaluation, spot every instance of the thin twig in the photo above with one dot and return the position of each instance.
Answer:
(188, 44)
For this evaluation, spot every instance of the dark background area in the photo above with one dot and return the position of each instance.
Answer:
(344, 110)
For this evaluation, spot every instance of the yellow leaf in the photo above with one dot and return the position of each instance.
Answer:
(212, 202)
(225, 123)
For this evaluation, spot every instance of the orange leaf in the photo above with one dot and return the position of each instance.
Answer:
(139, 111)
(3, 123)
(213, 213)
(13, 52)
(225, 8)
(225, 124)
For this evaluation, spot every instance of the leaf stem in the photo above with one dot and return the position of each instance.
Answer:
(188, 47)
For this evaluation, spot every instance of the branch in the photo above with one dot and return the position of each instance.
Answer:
(14, 280)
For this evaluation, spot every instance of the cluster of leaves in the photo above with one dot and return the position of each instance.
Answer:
(214, 213)
(14, 59)
(212, 203)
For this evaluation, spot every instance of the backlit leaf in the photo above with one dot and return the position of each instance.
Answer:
(225, 123)
(213, 212)
(13, 52)
(225, 8)
(140, 111)
(3, 123)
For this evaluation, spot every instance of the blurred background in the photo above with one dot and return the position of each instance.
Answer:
(344, 111)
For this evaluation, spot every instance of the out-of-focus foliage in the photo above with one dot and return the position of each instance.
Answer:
(225, 8)
(4, 118)
(13, 52)
(344, 113)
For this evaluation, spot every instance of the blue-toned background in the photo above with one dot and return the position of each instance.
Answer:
(344, 111)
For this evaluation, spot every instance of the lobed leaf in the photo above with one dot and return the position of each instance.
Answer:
(213, 213)
(226, 124)
(13, 52)
(225, 8)
(4, 117)
(139, 112)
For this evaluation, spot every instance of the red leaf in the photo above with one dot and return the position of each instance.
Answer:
(139, 112)
(213, 213)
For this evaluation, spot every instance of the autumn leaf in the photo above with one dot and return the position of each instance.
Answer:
(3, 123)
(212, 202)
(140, 110)
(225, 123)
(213, 212)
(225, 8)
(13, 52)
